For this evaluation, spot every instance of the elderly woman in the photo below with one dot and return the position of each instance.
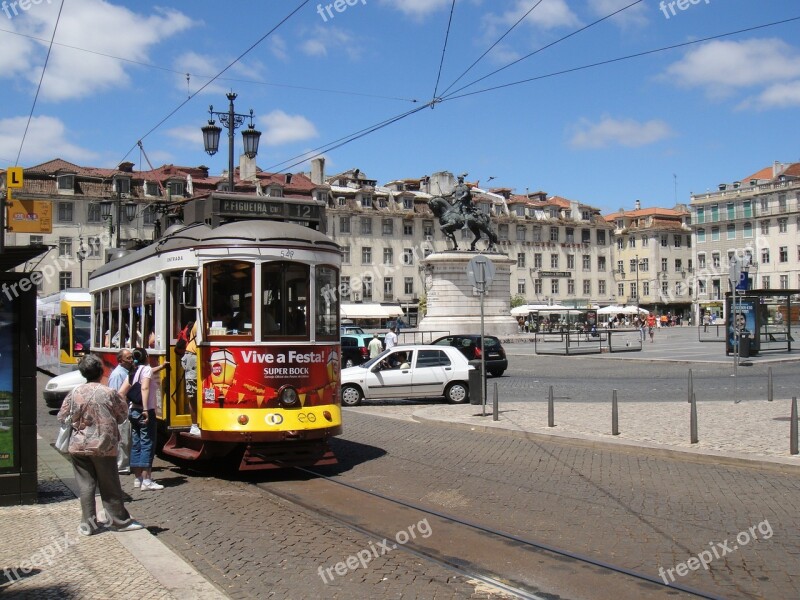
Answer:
(95, 412)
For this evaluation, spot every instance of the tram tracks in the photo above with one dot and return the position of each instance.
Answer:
(513, 565)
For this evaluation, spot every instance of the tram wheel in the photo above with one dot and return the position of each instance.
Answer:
(351, 395)
(457, 393)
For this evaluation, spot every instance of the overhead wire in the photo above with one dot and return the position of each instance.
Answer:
(444, 49)
(38, 87)
(620, 59)
(546, 46)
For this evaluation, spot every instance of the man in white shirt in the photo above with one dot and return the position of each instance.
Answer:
(390, 341)
(375, 346)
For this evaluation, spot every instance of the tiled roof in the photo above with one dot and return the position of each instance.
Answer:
(765, 173)
(646, 212)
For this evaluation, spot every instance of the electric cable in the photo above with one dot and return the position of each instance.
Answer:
(39, 87)
(444, 49)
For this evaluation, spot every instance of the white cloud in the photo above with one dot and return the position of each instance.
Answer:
(633, 16)
(720, 67)
(190, 134)
(618, 132)
(46, 139)
(282, 128)
(94, 25)
(202, 68)
(324, 39)
(416, 8)
(277, 46)
(779, 95)
(550, 14)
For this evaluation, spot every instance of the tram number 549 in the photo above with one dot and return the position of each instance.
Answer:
(287, 253)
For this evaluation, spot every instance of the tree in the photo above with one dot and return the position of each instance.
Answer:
(517, 300)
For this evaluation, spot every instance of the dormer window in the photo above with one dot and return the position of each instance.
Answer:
(408, 203)
(66, 184)
(175, 188)
(151, 188)
(366, 201)
(122, 185)
(382, 203)
(275, 192)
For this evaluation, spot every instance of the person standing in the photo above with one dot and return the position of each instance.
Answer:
(142, 393)
(651, 325)
(118, 376)
(390, 341)
(189, 364)
(95, 411)
(375, 346)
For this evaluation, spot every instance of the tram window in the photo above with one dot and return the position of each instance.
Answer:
(327, 304)
(284, 299)
(149, 330)
(230, 293)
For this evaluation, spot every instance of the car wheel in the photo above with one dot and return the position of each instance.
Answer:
(497, 372)
(351, 395)
(349, 363)
(457, 393)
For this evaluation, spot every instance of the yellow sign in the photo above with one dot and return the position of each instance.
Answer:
(29, 216)
(14, 177)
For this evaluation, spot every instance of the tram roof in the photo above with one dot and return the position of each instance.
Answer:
(237, 233)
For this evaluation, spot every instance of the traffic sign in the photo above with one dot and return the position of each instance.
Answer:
(735, 271)
(14, 177)
(480, 272)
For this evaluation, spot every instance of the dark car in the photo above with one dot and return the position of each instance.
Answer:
(355, 348)
(470, 346)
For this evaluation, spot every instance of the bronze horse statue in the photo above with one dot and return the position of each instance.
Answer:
(452, 219)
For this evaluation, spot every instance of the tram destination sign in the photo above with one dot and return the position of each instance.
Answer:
(276, 209)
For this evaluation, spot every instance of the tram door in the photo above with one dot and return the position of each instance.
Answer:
(178, 414)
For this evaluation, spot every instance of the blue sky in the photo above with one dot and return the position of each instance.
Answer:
(653, 128)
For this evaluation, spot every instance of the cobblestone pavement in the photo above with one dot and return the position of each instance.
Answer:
(622, 506)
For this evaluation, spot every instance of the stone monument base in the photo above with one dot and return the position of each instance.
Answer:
(454, 306)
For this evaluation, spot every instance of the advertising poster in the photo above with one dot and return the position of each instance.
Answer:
(6, 384)
(741, 319)
(252, 377)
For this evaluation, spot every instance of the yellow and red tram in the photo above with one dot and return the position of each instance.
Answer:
(264, 296)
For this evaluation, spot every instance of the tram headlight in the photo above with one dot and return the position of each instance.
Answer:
(327, 415)
(288, 396)
(243, 419)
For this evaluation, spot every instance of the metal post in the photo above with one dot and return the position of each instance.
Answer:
(769, 384)
(793, 428)
(551, 416)
(693, 421)
(614, 415)
(3, 222)
(495, 408)
(119, 219)
(482, 290)
(691, 387)
(231, 121)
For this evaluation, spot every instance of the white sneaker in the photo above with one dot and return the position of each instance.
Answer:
(195, 430)
(132, 526)
(151, 485)
(137, 483)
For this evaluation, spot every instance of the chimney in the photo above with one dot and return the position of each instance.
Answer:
(318, 171)
(637, 205)
(777, 168)
(247, 168)
(288, 178)
(126, 167)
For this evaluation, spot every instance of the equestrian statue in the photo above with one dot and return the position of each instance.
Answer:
(455, 214)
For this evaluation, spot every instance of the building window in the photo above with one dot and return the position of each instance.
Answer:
(408, 285)
(664, 241)
(366, 201)
(632, 242)
(554, 261)
(645, 241)
(344, 287)
(149, 215)
(663, 265)
(38, 240)
(554, 234)
(537, 260)
(571, 287)
(701, 287)
(65, 246)
(93, 213)
(715, 260)
(644, 264)
(65, 212)
(586, 235)
(537, 234)
(747, 230)
(701, 261)
(633, 290)
(570, 261)
(64, 280)
(701, 236)
(388, 256)
(388, 227)
(521, 231)
(520, 259)
(601, 238)
(366, 288)
(537, 286)
(521, 286)
(645, 288)
(633, 265)
(427, 228)
(93, 247)
(175, 188)
(66, 183)
(570, 235)
(408, 256)
(765, 256)
(601, 287)
(151, 188)
(715, 234)
(783, 225)
(346, 254)
(366, 255)
(601, 264)
(554, 286)
(620, 243)
(676, 241)
(701, 215)
(587, 287)
(408, 203)
(408, 228)
(344, 224)
(366, 226)
(388, 288)
(784, 285)
(765, 282)
(764, 227)
(122, 185)
(678, 265)
(730, 231)
(664, 288)
(783, 254)
(586, 261)
(620, 289)
(621, 266)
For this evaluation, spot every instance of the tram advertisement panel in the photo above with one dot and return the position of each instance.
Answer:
(7, 400)
(742, 319)
(251, 377)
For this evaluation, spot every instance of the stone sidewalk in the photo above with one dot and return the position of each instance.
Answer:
(44, 556)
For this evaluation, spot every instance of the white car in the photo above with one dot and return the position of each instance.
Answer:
(409, 372)
(58, 387)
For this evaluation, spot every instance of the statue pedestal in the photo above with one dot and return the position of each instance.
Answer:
(454, 306)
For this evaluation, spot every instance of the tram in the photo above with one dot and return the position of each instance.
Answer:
(62, 330)
(263, 294)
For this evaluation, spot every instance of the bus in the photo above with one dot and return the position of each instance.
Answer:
(264, 297)
(62, 330)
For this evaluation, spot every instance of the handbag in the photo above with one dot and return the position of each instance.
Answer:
(65, 433)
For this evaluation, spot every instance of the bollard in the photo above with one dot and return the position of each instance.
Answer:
(614, 415)
(793, 428)
(551, 416)
(769, 384)
(691, 387)
(495, 410)
(693, 421)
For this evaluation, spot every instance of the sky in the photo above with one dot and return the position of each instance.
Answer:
(531, 114)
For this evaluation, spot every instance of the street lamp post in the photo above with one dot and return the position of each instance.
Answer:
(231, 120)
(637, 281)
(81, 256)
(105, 213)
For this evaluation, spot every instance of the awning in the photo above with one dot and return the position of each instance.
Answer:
(522, 311)
(370, 311)
(13, 256)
